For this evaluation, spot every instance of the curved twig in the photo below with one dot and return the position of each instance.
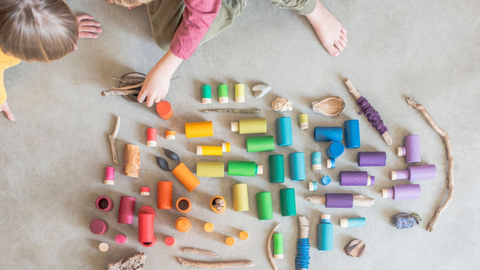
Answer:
(450, 161)
(215, 265)
(201, 252)
(269, 248)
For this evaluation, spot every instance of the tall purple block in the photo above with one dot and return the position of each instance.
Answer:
(411, 151)
(339, 200)
(402, 192)
(356, 178)
(414, 173)
(372, 159)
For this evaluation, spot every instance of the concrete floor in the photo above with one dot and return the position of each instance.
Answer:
(52, 158)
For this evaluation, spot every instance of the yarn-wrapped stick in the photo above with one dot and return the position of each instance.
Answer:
(450, 162)
(372, 115)
(303, 246)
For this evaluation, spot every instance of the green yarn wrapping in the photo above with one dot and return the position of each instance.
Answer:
(276, 168)
(264, 205)
(260, 144)
(242, 168)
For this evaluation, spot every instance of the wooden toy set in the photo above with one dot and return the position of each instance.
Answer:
(261, 142)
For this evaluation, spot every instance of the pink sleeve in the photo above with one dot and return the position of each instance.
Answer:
(197, 18)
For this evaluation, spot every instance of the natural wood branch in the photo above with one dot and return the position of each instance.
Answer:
(269, 248)
(362, 200)
(303, 227)
(351, 88)
(201, 252)
(450, 161)
(129, 80)
(119, 92)
(112, 137)
(131, 160)
(215, 265)
(358, 200)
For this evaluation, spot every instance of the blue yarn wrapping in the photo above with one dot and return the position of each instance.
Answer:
(372, 115)
(303, 256)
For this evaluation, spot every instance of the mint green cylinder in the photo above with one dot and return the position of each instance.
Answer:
(287, 202)
(264, 205)
(276, 168)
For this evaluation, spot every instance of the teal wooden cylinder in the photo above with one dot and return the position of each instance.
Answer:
(264, 205)
(260, 144)
(276, 168)
(352, 222)
(352, 134)
(287, 202)
(316, 161)
(244, 168)
(297, 166)
(284, 131)
(325, 233)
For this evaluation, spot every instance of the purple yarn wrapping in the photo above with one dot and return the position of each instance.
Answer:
(372, 115)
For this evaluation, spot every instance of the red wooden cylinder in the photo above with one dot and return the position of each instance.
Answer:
(146, 231)
(126, 210)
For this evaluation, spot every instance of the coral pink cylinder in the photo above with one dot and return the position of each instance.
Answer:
(146, 232)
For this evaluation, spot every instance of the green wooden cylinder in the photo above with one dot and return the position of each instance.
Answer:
(276, 168)
(264, 205)
(260, 144)
(243, 168)
(278, 246)
(287, 202)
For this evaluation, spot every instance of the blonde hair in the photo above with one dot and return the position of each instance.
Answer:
(130, 3)
(37, 30)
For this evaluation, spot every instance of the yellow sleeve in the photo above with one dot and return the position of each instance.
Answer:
(3, 92)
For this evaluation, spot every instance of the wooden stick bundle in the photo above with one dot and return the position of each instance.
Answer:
(450, 161)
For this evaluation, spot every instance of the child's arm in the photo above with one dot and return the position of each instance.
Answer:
(3, 98)
(197, 18)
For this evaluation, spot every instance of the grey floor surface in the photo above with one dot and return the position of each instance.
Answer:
(52, 158)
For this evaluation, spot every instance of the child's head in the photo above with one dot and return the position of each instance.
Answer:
(37, 30)
(130, 3)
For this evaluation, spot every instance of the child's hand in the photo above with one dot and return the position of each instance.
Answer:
(4, 108)
(157, 82)
(88, 27)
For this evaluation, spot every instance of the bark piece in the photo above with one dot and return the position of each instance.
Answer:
(135, 262)
(131, 160)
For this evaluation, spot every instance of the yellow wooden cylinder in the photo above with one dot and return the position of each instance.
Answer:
(209, 150)
(210, 169)
(199, 129)
(240, 197)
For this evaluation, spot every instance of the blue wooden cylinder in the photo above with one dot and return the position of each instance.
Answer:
(328, 134)
(352, 134)
(335, 150)
(325, 233)
(284, 131)
(316, 161)
(297, 166)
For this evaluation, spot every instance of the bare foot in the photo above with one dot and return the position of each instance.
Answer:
(330, 31)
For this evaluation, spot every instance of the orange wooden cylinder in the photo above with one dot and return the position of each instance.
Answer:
(183, 205)
(186, 177)
(199, 129)
(164, 195)
(164, 110)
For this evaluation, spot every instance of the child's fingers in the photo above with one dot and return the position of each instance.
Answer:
(89, 22)
(84, 16)
(8, 113)
(141, 96)
(150, 101)
(91, 29)
(87, 35)
(158, 99)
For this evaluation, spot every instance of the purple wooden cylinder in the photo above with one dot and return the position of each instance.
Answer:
(372, 159)
(411, 151)
(126, 210)
(339, 200)
(356, 178)
(402, 192)
(414, 173)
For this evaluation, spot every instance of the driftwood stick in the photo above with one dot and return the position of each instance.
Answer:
(358, 200)
(231, 111)
(111, 138)
(113, 92)
(303, 227)
(128, 87)
(450, 161)
(303, 255)
(129, 80)
(351, 88)
(201, 252)
(269, 248)
(215, 265)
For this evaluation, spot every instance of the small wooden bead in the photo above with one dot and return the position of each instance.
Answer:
(356, 248)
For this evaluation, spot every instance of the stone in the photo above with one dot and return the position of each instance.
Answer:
(282, 104)
(356, 248)
(260, 90)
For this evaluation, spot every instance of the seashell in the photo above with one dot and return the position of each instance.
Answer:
(329, 106)
(282, 104)
(260, 90)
